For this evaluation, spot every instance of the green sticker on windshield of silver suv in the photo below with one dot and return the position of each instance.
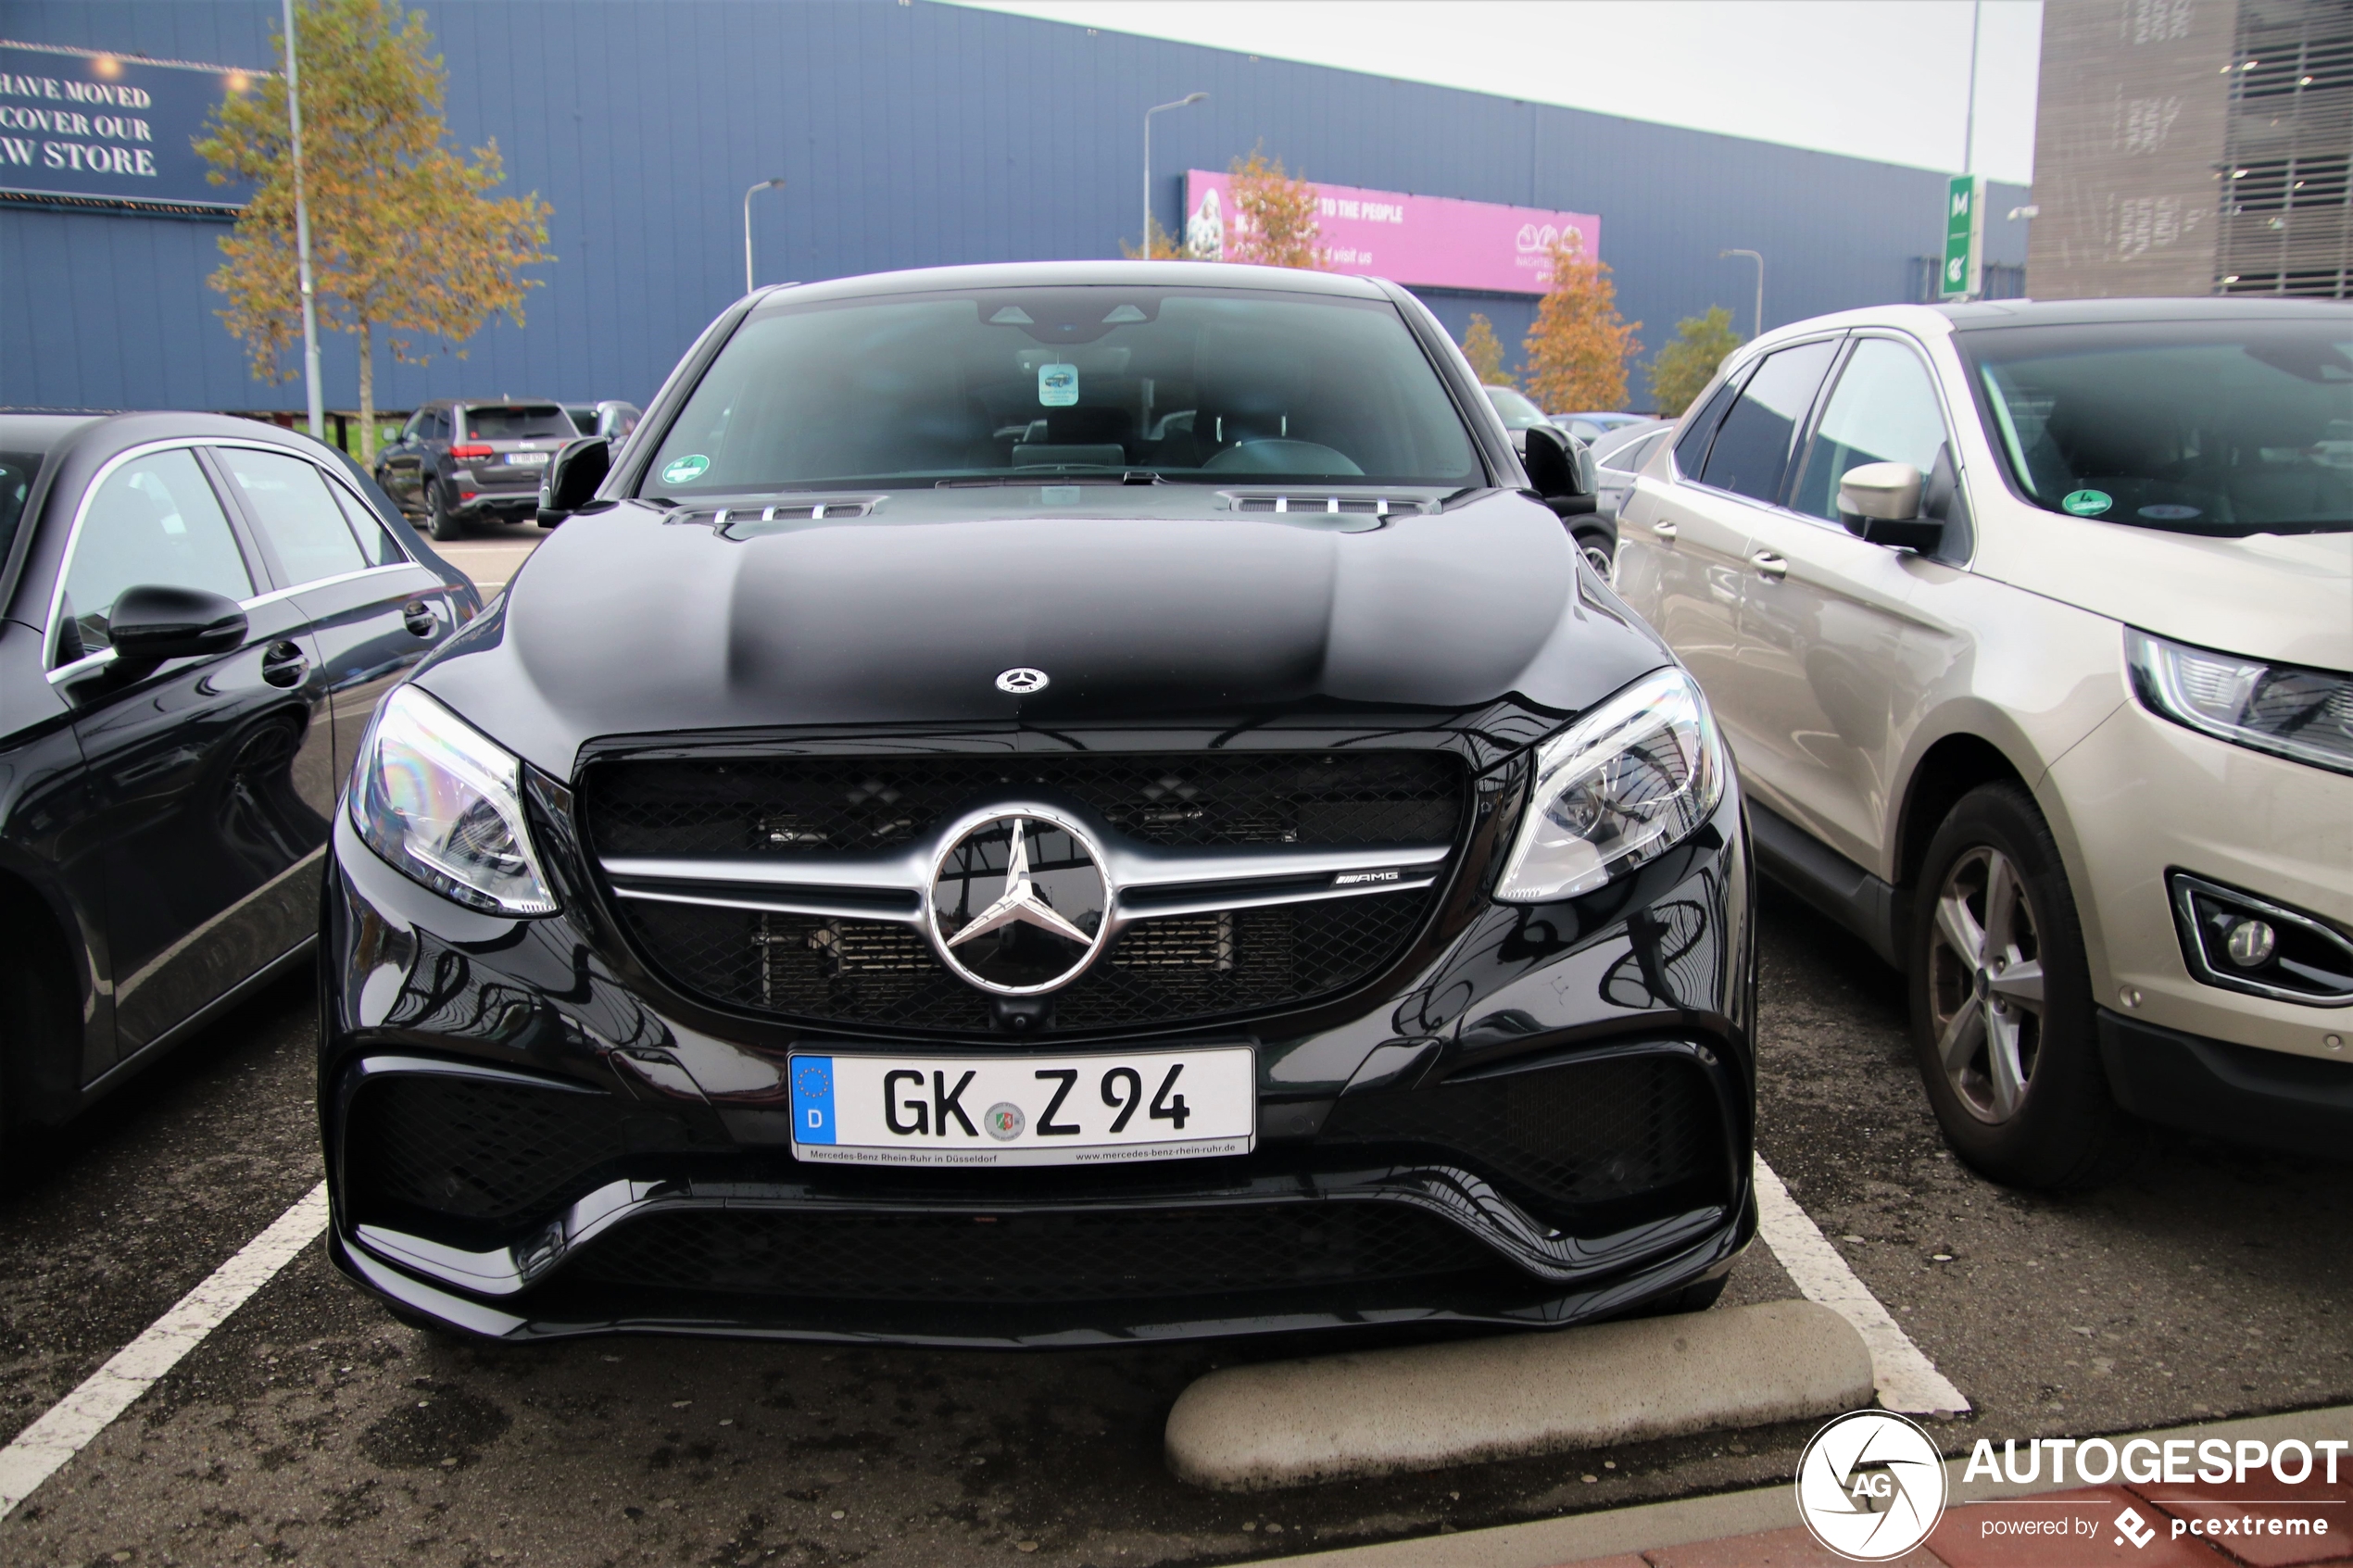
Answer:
(2087, 503)
(692, 467)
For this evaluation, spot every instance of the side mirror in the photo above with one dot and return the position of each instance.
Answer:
(1560, 469)
(1880, 501)
(572, 478)
(153, 622)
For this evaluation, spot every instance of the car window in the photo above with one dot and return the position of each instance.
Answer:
(414, 429)
(154, 521)
(520, 421)
(1627, 456)
(1751, 453)
(1690, 452)
(289, 501)
(376, 541)
(1201, 384)
(2215, 427)
(1884, 411)
(17, 471)
(437, 425)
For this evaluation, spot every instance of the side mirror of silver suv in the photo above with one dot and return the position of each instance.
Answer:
(1882, 503)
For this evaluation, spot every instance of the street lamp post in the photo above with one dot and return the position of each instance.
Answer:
(1759, 259)
(776, 184)
(1187, 98)
(302, 247)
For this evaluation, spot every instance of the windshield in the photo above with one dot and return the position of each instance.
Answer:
(1214, 385)
(16, 469)
(534, 421)
(2219, 428)
(1517, 411)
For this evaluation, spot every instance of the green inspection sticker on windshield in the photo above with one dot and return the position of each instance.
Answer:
(692, 467)
(2087, 503)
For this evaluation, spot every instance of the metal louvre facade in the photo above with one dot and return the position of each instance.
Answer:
(910, 135)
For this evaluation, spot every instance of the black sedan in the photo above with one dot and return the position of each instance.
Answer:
(1041, 804)
(201, 613)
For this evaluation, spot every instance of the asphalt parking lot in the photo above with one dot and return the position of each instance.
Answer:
(490, 552)
(312, 1428)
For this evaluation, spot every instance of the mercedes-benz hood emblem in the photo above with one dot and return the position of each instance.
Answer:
(1021, 680)
(1018, 903)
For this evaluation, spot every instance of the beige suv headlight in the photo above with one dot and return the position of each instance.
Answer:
(2303, 714)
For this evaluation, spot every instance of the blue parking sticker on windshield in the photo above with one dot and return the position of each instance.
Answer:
(1057, 385)
(2087, 503)
(685, 470)
(813, 1100)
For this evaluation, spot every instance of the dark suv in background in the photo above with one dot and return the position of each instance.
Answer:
(457, 462)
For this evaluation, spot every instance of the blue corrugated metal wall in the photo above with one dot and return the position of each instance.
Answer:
(911, 135)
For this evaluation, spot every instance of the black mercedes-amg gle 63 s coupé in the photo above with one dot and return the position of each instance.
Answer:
(1040, 804)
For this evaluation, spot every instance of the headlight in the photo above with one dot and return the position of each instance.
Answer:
(2304, 714)
(439, 800)
(1620, 786)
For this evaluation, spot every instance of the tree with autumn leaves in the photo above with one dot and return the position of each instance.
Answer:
(405, 239)
(1577, 349)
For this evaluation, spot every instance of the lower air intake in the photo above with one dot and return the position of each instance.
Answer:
(1130, 1254)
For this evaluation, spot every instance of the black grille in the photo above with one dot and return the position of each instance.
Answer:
(781, 805)
(1568, 1138)
(1135, 1254)
(1154, 972)
(489, 1151)
(1157, 973)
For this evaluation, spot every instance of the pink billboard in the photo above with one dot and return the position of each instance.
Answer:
(1434, 241)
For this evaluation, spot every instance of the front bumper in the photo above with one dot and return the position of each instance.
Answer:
(2142, 799)
(1548, 1120)
(2269, 1099)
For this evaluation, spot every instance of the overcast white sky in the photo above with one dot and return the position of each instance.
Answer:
(1876, 79)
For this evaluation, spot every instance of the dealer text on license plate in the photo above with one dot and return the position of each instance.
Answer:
(1184, 1104)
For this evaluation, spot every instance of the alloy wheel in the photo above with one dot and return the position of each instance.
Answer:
(1985, 984)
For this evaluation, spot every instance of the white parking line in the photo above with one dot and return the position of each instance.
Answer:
(69, 1425)
(1907, 1380)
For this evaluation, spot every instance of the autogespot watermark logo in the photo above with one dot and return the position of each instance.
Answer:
(1870, 1487)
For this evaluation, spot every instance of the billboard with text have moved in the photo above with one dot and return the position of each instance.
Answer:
(84, 128)
(1430, 241)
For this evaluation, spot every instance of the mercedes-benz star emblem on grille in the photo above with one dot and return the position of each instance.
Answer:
(1021, 680)
(1019, 903)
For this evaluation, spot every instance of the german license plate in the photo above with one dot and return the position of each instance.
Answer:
(1025, 1110)
(526, 459)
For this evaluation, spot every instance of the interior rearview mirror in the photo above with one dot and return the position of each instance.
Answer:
(1560, 469)
(572, 478)
(153, 622)
(1882, 503)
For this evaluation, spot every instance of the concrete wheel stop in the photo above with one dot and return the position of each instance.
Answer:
(1292, 1424)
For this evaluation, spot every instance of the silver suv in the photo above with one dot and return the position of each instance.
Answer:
(2029, 625)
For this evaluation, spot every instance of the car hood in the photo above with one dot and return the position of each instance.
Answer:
(2286, 597)
(1140, 604)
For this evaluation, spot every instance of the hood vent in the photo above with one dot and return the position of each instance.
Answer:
(739, 523)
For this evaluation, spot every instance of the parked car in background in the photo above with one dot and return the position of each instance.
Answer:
(461, 462)
(1515, 407)
(1312, 900)
(1619, 455)
(610, 418)
(1596, 535)
(201, 613)
(2032, 627)
(1590, 427)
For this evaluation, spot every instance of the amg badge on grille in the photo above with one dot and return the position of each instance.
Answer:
(1019, 903)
